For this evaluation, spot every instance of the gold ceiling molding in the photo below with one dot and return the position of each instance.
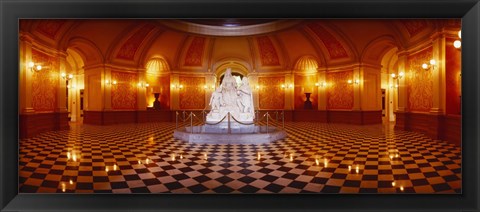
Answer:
(229, 30)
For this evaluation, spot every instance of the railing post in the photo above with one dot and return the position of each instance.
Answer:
(191, 122)
(229, 130)
(176, 119)
(267, 122)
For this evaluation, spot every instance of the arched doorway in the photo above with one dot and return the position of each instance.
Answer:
(75, 86)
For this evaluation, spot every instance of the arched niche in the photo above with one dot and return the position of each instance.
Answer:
(238, 69)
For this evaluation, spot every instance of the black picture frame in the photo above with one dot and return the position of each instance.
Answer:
(11, 11)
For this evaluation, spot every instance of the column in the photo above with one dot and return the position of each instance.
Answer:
(174, 92)
(142, 91)
(357, 75)
(402, 87)
(289, 91)
(438, 74)
(107, 88)
(253, 80)
(210, 83)
(322, 89)
(62, 86)
(26, 75)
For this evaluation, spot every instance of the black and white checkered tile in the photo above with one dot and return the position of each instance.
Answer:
(314, 158)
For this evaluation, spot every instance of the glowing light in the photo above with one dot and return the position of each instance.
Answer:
(139, 162)
(317, 161)
(424, 66)
(457, 44)
(205, 156)
(74, 157)
(401, 74)
(283, 86)
(31, 64)
(181, 156)
(114, 167)
(106, 169)
(325, 162)
(71, 182)
(114, 82)
(396, 155)
(291, 157)
(349, 168)
(401, 188)
(460, 33)
(259, 156)
(391, 157)
(64, 187)
(433, 62)
(393, 75)
(349, 81)
(357, 169)
(68, 155)
(147, 161)
(70, 76)
(39, 67)
(173, 157)
(393, 183)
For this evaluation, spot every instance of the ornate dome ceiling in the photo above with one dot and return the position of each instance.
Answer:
(204, 45)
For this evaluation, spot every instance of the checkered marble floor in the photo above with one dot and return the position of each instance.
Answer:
(314, 158)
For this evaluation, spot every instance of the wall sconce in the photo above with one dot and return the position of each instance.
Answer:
(393, 86)
(399, 76)
(323, 84)
(349, 81)
(177, 86)
(287, 86)
(357, 81)
(143, 84)
(64, 76)
(257, 87)
(354, 81)
(432, 65)
(108, 82)
(458, 43)
(206, 87)
(33, 67)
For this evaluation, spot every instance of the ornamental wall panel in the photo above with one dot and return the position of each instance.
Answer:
(130, 47)
(192, 95)
(124, 93)
(419, 82)
(271, 94)
(45, 82)
(339, 91)
(194, 55)
(334, 47)
(268, 54)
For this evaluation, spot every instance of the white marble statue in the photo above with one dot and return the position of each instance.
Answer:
(230, 99)
(245, 98)
(216, 100)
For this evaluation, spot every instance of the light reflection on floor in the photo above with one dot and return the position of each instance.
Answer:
(314, 158)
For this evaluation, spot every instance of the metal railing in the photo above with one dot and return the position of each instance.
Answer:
(266, 118)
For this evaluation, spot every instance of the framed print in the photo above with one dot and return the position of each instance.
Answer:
(122, 105)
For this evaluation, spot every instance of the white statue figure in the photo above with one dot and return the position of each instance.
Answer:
(228, 99)
(245, 98)
(216, 99)
(229, 87)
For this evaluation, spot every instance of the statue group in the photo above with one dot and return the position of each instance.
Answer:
(228, 98)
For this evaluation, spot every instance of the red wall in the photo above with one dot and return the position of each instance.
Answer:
(453, 78)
